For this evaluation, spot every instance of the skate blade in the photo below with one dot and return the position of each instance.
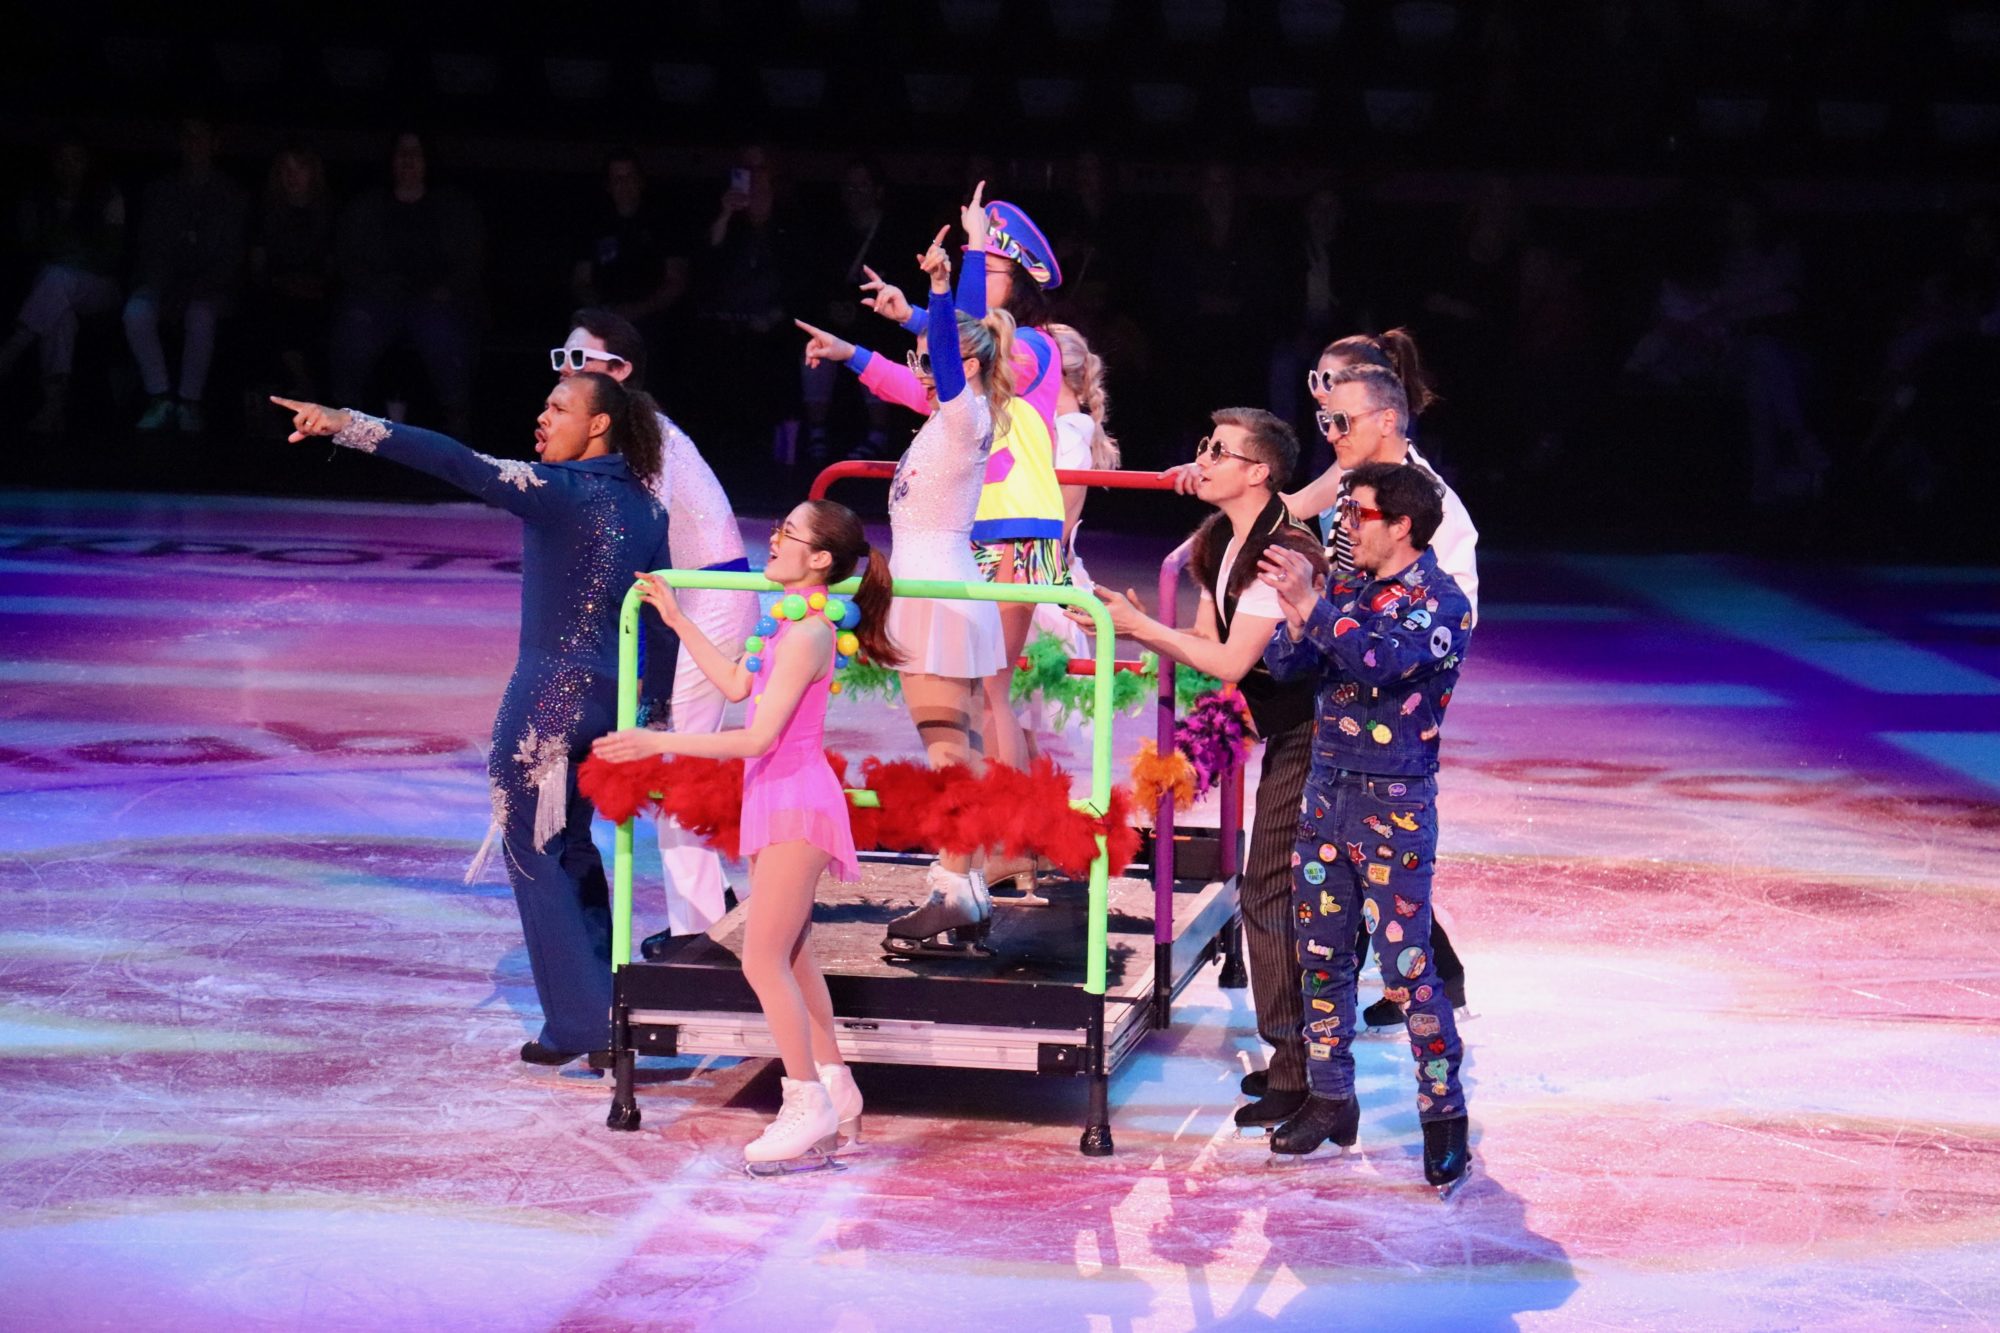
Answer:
(1326, 1152)
(895, 947)
(1449, 1191)
(811, 1160)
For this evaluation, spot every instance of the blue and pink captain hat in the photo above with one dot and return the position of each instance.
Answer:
(1012, 234)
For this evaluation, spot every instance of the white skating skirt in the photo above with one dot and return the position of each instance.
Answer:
(943, 638)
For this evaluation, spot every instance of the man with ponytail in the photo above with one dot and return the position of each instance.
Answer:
(704, 535)
(590, 518)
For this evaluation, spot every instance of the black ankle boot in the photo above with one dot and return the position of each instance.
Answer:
(1320, 1120)
(655, 947)
(1447, 1157)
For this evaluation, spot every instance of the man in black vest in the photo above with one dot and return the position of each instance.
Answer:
(1241, 468)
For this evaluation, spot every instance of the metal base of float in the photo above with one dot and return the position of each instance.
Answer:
(1024, 1008)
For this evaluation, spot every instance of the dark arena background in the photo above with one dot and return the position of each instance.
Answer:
(1709, 292)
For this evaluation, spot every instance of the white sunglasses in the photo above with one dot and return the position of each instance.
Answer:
(573, 358)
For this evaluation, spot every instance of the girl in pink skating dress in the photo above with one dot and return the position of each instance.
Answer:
(795, 822)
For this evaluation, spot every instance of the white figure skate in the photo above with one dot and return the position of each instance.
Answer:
(838, 1081)
(802, 1136)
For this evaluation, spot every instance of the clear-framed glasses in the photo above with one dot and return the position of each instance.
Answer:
(1319, 381)
(918, 362)
(1214, 451)
(1353, 513)
(577, 358)
(1334, 425)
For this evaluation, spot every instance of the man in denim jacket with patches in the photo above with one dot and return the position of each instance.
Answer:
(1386, 647)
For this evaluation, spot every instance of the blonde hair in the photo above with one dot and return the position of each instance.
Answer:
(990, 342)
(1083, 375)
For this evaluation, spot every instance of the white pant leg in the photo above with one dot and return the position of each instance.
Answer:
(695, 882)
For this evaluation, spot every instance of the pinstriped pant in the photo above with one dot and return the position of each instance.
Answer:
(1264, 897)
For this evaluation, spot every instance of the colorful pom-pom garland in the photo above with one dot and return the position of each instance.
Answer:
(840, 613)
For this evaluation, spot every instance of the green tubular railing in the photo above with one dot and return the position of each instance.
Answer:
(1097, 950)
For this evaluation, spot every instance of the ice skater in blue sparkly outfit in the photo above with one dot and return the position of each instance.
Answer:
(590, 519)
(1385, 648)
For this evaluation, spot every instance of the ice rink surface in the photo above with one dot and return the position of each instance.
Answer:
(1721, 848)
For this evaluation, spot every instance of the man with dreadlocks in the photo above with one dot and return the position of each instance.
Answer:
(591, 520)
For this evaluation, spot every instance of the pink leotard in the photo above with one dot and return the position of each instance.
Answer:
(790, 792)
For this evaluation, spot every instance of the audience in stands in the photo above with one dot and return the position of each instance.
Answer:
(73, 231)
(744, 338)
(189, 267)
(859, 235)
(291, 269)
(409, 257)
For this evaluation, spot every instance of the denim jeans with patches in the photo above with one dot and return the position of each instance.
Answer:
(1364, 849)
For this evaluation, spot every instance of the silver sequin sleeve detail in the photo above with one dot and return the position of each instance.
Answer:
(513, 472)
(362, 432)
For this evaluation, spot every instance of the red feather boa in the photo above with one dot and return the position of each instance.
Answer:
(1015, 812)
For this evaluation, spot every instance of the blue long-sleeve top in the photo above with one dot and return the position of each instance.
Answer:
(972, 300)
(1387, 653)
(587, 525)
(947, 372)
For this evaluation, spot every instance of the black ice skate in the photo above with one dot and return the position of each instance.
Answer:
(1273, 1108)
(1382, 1017)
(1447, 1158)
(952, 923)
(1321, 1121)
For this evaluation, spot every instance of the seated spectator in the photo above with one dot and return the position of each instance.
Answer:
(290, 267)
(633, 260)
(190, 261)
(860, 238)
(73, 229)
(408, 259)
(745, 348)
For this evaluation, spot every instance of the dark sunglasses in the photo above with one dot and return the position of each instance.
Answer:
(1214, 451)
(1333, 425)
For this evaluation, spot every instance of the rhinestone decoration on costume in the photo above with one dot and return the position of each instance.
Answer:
(951, 450)
(512, 471)
(538, 754)
(362, 432)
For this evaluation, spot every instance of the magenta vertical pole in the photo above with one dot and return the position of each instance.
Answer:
(1163, 817)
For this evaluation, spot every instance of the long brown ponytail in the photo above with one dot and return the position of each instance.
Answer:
(837, 531)
(635, 423)
(1395, 350)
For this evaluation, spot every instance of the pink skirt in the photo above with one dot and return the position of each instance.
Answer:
(796, 798)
